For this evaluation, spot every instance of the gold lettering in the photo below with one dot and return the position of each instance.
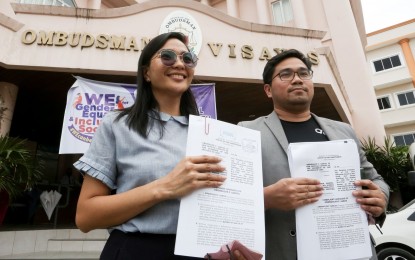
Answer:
(60, 39)
(265, 54)
(73, 39)
(29, 37)
(87, 40)
(45, 39)
(117, 42)
(232, 51)
(145, 41)
(215, 48)
(132, 44)
(102, 41)
(313, 56)
(247, 52)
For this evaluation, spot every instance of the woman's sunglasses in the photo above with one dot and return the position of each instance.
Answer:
(169, 58)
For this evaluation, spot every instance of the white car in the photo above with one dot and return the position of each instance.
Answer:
(396, 238)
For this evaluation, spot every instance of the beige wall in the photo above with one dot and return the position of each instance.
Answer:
(390, 77)
(349, 55)
(248, 10)
(398, 120)
(233, 31)
(400, 130)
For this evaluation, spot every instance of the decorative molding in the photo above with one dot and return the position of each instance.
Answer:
(10, 23)
(149, 5)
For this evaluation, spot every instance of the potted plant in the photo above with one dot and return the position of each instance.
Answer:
(19, 170)
(391, 162)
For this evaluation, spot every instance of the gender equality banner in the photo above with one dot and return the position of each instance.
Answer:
(88, 101)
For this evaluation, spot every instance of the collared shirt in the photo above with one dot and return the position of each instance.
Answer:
(122, 159)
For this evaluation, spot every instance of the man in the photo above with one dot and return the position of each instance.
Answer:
(288, 82)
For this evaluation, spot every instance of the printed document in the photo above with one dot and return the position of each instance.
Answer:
(334, 227)
(212, 217)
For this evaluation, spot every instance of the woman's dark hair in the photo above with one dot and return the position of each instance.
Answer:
(274, 61)
(138, 114)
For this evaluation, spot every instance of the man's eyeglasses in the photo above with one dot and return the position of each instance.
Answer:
(288, 75)
(169, 58)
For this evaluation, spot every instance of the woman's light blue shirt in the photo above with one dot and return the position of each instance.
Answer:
(122, 159)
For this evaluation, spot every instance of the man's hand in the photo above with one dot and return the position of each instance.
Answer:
(291, 193)
(372, 200)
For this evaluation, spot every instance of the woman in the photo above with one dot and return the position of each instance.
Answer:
(139, 153)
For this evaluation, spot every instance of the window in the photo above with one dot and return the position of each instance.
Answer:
(384, 103)
(282, 12)
(387, 63)
(68, 3)
(406, 98)
(405, 139)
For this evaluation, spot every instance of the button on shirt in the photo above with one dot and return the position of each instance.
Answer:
(122, 159)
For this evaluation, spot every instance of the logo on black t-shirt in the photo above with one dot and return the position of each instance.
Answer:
(319, 131)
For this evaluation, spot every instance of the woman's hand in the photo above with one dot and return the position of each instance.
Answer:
(192, 173)
(97, 208)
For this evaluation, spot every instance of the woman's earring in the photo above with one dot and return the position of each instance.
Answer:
(147, 79)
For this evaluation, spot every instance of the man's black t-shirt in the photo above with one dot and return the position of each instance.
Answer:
(307, 131)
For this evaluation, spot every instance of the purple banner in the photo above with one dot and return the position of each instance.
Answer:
(205, 99)
(89, 101)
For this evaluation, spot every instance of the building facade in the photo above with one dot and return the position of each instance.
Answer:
(390, 54)
(45, 44)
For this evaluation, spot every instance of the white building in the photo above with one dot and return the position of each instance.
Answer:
(390, 54)
(42, 46)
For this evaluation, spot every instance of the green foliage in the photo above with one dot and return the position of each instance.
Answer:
(19, 170)
(390, 161)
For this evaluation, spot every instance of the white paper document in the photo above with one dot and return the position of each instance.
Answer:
(334, 227)
(211, 217)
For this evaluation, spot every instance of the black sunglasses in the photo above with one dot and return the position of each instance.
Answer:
(169, 58)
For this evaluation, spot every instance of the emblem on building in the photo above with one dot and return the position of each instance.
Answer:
(180, 21)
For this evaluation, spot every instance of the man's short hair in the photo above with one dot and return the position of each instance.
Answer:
(274, 61)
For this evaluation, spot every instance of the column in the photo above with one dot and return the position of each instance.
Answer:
(263, 8)
(8, 95)
(232, 7)
(409, 58)
(350, 57)
(299, 13)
